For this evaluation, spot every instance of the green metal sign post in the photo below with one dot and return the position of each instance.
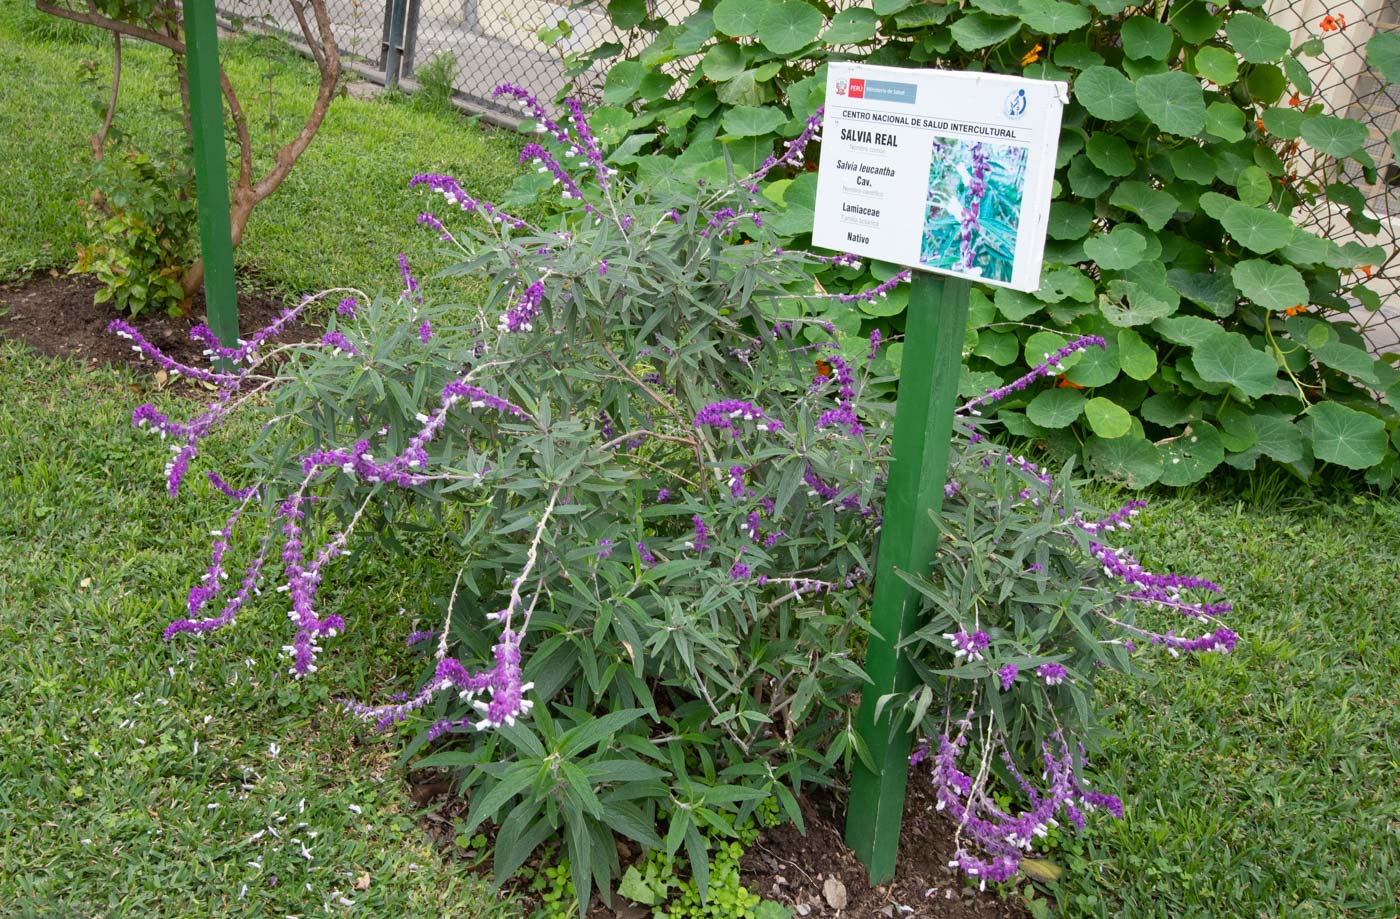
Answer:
(928, 388)
(211, 169)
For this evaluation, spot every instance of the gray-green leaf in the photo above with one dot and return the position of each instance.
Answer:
(1345, 436)
(1174, 101)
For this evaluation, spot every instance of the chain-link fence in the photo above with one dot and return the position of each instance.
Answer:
(529, 42)
(1345, 84)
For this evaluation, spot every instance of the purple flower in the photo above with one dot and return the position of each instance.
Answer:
(721, 414)
(521, 316)
(736, 482)
(338, 343)
(347, 307)
(1008, 676)
(425, 332)
(410, 283)
(602, 268)
(605, 548)
(647, 558)
(969, 646)
(1052, 673)
(701, 543)
(447, 186)
(663, 495)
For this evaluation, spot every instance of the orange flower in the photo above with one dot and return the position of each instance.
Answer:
(1367, 269)
(1335, 23)
(1031, 56)
(1294, 100)
(1067, 383)
(1259, 122)
(1295, 310)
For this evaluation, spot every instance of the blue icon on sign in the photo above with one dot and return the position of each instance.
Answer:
(1016, 104)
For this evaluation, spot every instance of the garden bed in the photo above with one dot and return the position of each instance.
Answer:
(55, 315)
(808, 873)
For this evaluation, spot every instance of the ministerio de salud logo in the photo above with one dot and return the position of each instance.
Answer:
(1015, 105)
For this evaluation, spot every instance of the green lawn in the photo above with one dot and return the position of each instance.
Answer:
(141, 778)
(339, 219)
(1257, 784)
(1263, 782)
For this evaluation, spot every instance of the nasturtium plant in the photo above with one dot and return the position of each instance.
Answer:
(1193, 149)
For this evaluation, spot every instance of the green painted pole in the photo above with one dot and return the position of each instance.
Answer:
(928, 388)
(211, 169)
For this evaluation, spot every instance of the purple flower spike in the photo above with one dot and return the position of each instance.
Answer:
(1052, 673)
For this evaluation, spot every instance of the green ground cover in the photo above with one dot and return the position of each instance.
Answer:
(1260, 783)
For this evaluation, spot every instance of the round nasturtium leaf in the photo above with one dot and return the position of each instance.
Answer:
(752, 120)
(1266, 83)
(1256, 228)
(851, 27)
(1053, 17)
(1193, 164)
(1111, 153)
(788, 26)
(1189, 457)
(1001, 348)
(1186, 330)
(1346, 437)
(980, 30)
(1217, 65)
(1225, 121)
(1107, 418)
(1042, 343)
(1228, 357)
(1145, 38)
(1117, 250)
(1131, 461)
(1068, 221)
(1056, 408)
(1334, 136)
(1253, 186)
(1105, 93)
(1383, 53)
(737, 18)
(1153, 205)
(1237, 431)
(627, 14)
(1174, 101)
(1256, 39)
(1274, 287)
(1278, 437)
(723, 61)
(1137, 357)
(1097, 366)
(1284, 122)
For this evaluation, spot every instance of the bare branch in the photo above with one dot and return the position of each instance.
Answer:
(113, 25)
(99, 140)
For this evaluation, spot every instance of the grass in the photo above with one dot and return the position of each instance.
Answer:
(341, 216)
(1256, 784)
(138, 775)
(1261, 783)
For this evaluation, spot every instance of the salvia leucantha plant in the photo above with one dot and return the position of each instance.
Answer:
(658, 480)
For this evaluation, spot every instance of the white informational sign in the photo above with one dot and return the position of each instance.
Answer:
(939, 170)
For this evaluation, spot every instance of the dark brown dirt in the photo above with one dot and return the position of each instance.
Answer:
(816, 870)
(807, 873)
(54, 314)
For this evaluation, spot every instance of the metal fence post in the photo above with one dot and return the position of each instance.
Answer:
(410, 37)
(392, 51)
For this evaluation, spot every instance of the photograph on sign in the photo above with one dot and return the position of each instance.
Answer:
(939, 170)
